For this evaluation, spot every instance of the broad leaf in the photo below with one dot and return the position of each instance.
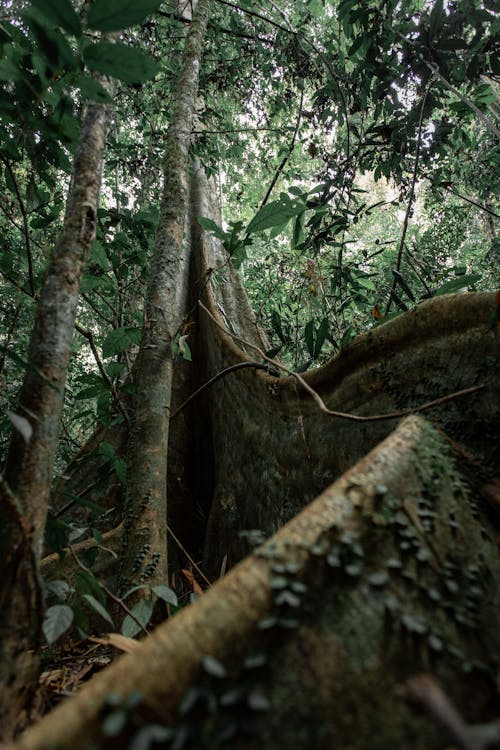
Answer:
(273, 215)
(118, 60)
(59, 12)
(98, 607)
(120, 339)
(57, 620)
(142, 611)
(166, 593)
(112, 15)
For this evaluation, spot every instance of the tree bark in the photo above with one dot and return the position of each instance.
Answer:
(390, 572)
(28, 471)
(145, 523)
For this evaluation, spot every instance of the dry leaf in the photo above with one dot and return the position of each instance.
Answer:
(121, 642)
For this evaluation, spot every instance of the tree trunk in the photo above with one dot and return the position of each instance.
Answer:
(28, 472)
(390, 572)
(144, 554)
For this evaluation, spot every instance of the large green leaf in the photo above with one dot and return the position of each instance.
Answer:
(98, 607)
(142, 611)
(274, 214)
(120, 339)
(57, 621)
(120, 61)
(59, 12)
(112, 15)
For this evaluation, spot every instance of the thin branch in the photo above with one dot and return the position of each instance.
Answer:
(219, 376)
(410, 199)
(184, 550)
(239, 130)
(90, 338)
(112, 596)
(25, 223)
(288, 153)
(256, 15)
(319, 401)
(485, 120)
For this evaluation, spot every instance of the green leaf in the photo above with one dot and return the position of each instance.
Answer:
(97, 607)
(57, 620)
(118, 60)
(92, 89)
(61, 13)
(456, 285)
(436, 18)
(273, 215)
(320, 337)
(309, 337)
(120, 339)
(166, 593)
(142, 611)
(113, 15)
(212, 227)
(401, 280)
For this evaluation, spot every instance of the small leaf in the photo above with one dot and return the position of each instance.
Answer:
(118, 60)
(142, 611)
(22, 425)
(114, 723)
(309, 337)
(149, 736)
(165, 593)
(213, 666)
(57, 620)
(378, 579)
(61, 589)
(113, 15)
(98, 607)
(120, 339)
(211, 226)
(258, 702)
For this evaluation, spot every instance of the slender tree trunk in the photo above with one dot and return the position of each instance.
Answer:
(145, 535)
(28, 472)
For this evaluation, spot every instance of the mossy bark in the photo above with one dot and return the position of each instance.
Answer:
(391, 572)
(28, 472)
(144, 553)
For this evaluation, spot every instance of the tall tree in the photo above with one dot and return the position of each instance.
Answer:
(360, 590)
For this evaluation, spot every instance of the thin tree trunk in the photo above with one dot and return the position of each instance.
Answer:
(390, 572)
(145, 536)
(28, 471)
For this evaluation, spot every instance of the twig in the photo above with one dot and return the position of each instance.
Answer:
(25, 223)
(90, 338)
(342, 415)
(221, 374)
(427, 693)
(485, 120)
(410, 200)
(288, 153)
(112, 596)
(184, 550)
(256, 15)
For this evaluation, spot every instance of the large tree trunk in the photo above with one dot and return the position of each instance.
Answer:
(392, 571)
(144, 553)
(28, 472)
